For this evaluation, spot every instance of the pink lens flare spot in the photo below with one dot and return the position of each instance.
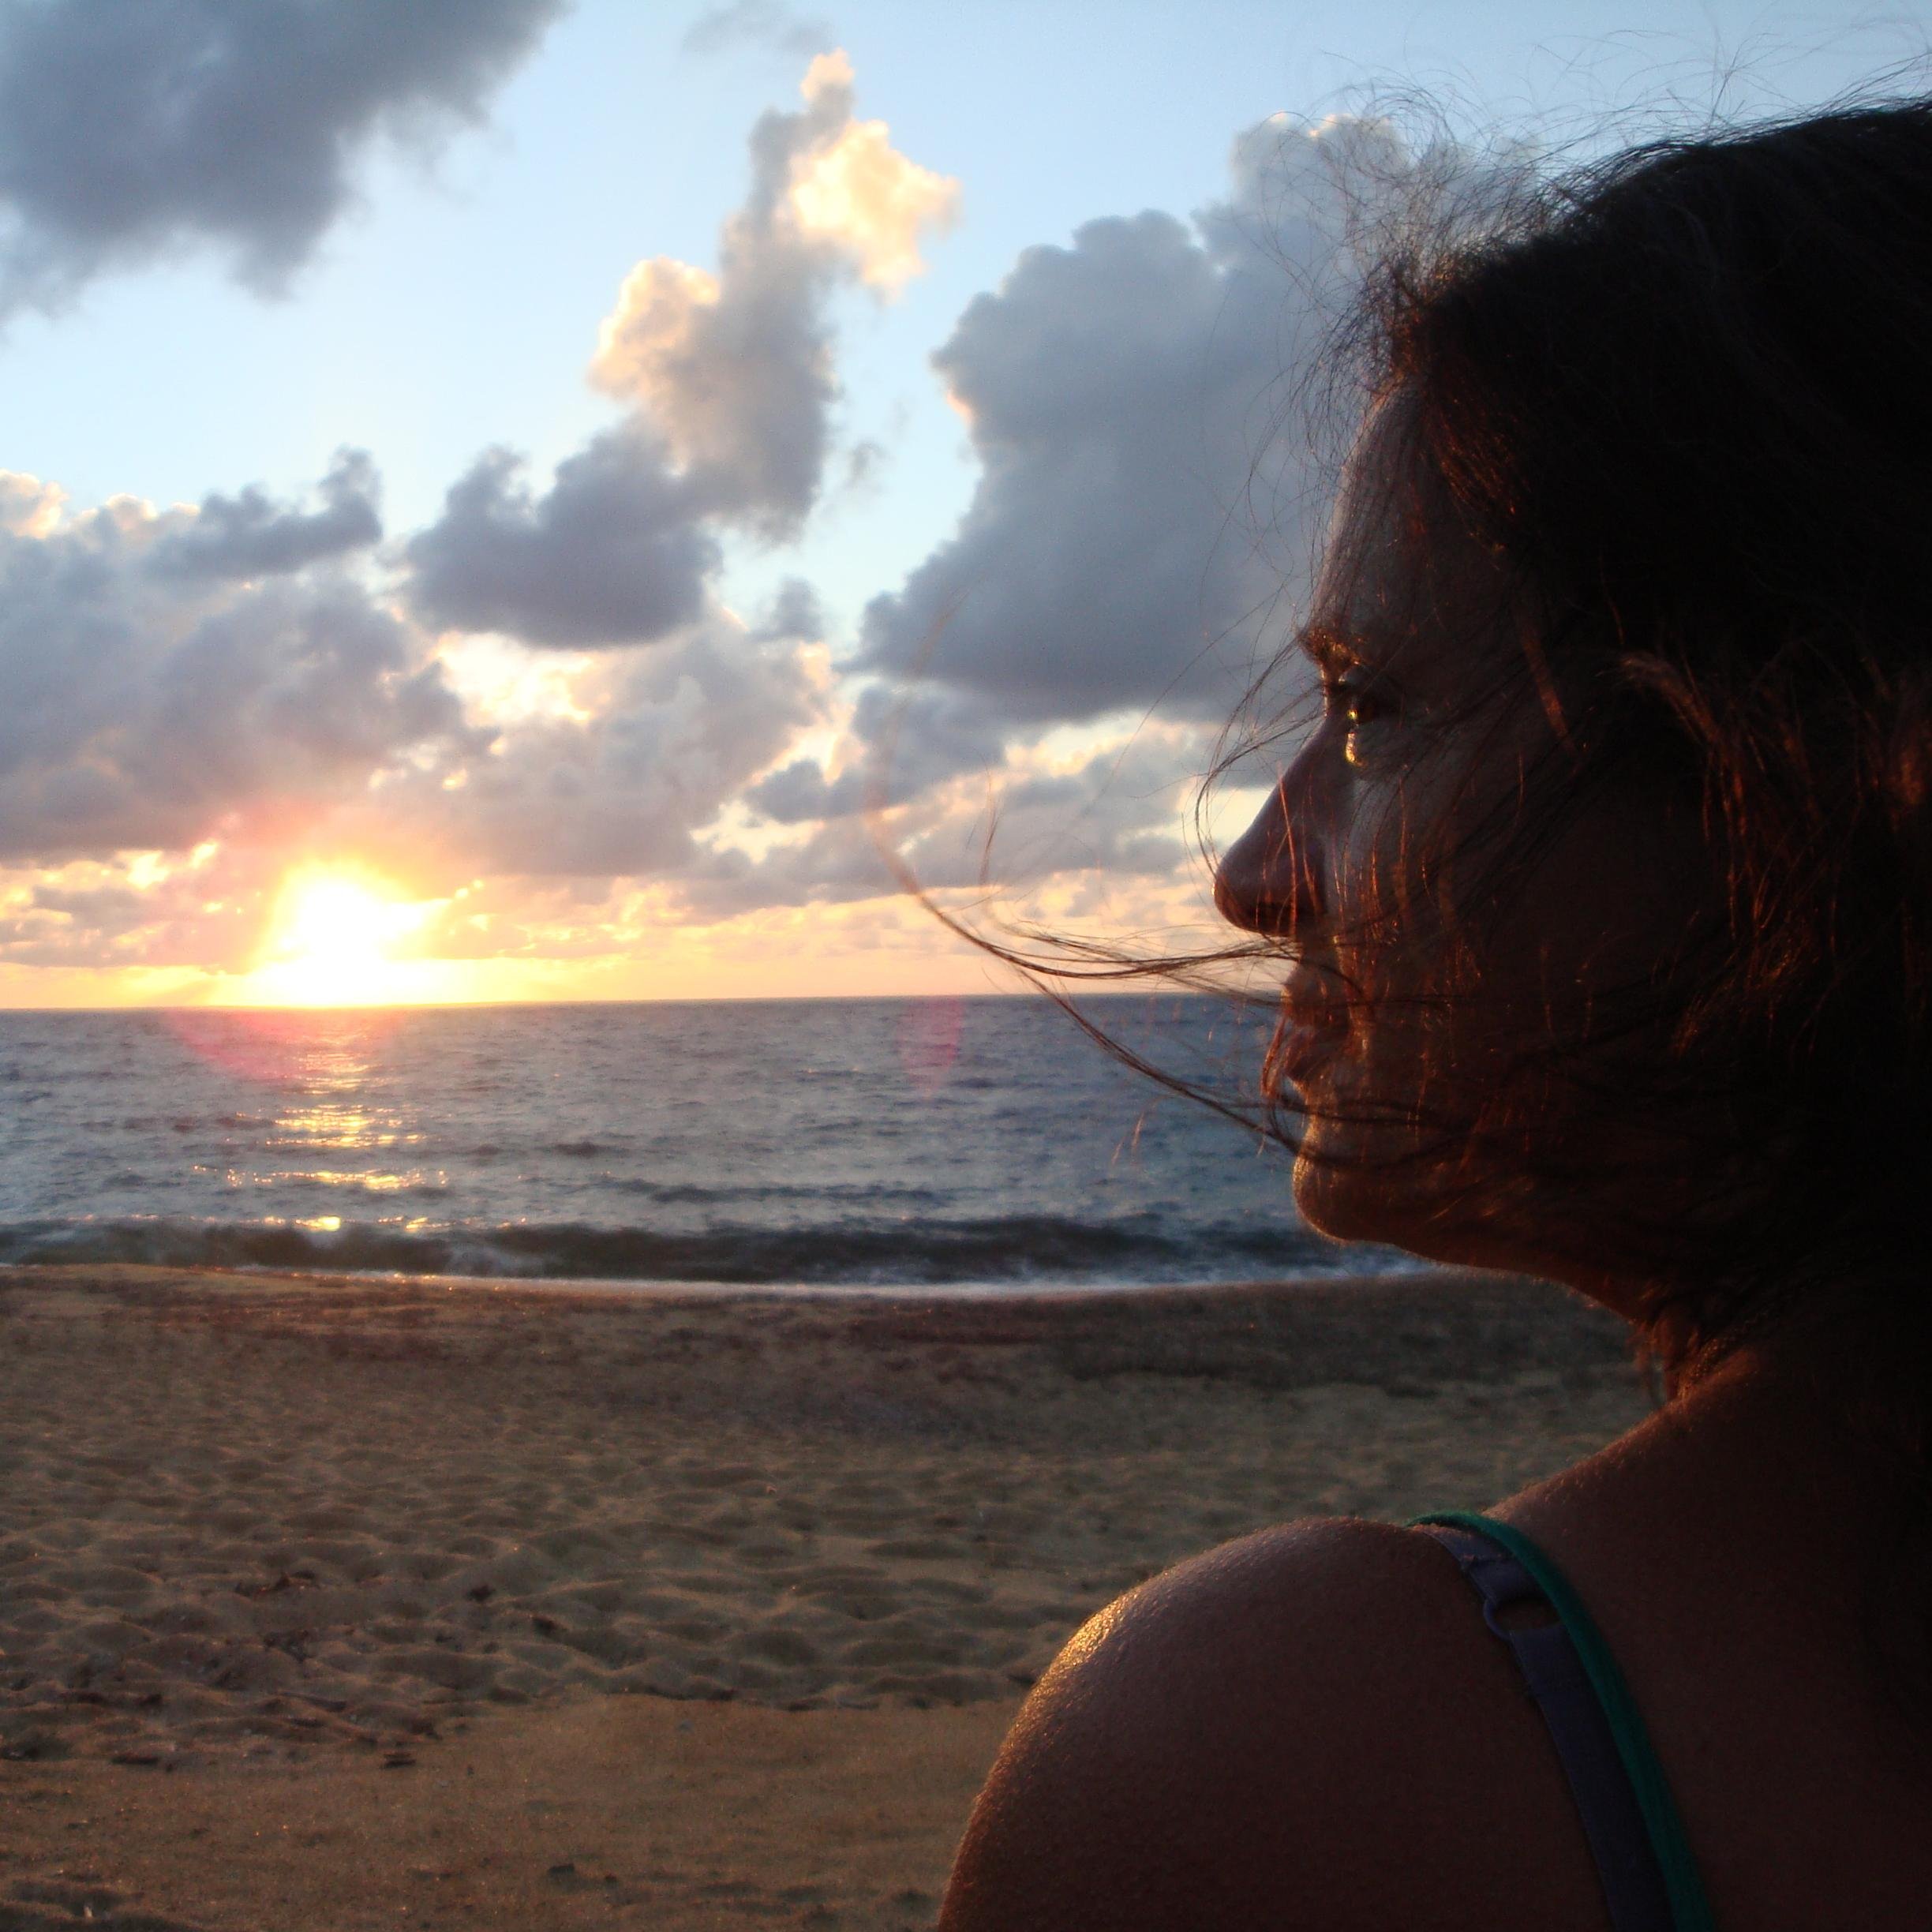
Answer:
(275, 1046)
(929, 1041)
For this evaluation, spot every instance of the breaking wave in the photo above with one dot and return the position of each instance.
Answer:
(1019, 1249)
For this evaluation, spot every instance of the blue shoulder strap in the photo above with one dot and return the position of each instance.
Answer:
(1650, 1881)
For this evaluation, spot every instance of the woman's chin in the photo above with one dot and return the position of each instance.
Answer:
(1343, 1198)
(1350, 1200)
(1347, 1194)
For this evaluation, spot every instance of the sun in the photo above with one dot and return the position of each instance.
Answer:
(339, 922)
(332, 942)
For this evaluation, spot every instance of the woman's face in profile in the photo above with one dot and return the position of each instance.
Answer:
(1446, 913)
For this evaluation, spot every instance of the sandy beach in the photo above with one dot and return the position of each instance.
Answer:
(343, 1603)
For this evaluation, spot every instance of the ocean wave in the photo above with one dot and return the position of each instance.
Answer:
(1025, 1248)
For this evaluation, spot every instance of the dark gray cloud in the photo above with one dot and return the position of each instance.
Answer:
(1137, 514)
(1106, 385)
(146, 710)
(764, 24)
(614, 552)
(251, 535)
(793, 612)
(132, 129)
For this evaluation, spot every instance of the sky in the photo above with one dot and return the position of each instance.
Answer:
(508, 500)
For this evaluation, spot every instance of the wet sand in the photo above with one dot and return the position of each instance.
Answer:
(328, 1603)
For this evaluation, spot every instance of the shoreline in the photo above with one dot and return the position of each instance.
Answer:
(1420, 1273)
(549, 1577)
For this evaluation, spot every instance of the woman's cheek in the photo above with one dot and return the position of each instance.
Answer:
(1372, 858)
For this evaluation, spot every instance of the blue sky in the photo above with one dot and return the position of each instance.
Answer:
(455, 304)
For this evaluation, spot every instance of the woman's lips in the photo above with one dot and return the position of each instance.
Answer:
(1301, 1051)
(1314, 1025)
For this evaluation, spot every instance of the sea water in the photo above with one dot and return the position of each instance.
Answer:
(939, 1142)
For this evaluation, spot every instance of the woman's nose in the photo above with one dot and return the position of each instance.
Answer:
(1266, 881)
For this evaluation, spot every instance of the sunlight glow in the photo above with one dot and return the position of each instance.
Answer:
(332, 943)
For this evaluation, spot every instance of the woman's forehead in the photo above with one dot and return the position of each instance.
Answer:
(1400, 573)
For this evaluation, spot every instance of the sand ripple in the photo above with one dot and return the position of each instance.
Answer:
(253, 1515)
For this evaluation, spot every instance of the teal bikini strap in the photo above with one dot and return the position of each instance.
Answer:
(1690, 1909)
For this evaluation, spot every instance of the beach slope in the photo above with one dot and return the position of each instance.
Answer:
(343, 1603)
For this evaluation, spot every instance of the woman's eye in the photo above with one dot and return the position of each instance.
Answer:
(1358, 705)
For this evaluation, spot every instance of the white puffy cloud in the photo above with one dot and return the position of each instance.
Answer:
(858, 193)
(28, 508)
(735, 368)
(132, 129)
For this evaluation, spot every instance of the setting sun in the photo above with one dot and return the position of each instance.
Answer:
(332, 942)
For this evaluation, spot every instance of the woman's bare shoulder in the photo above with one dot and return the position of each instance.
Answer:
(1310, 1725)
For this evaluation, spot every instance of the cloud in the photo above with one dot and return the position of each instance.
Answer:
(858, 193)
(614, 552)
(735, 368)
(175, 740)
(896, 745)
(1119, 812)
(658, 743)
(739, 384)
(729, 382)
(250, 535)
(133, 130)
(1138, 524)
(1137, 515)
(793, 612)
(28, 508)
(756, 23)
(554, 720)
(147, 707)
(209, 909)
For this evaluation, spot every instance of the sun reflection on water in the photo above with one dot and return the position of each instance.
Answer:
(327, 1069)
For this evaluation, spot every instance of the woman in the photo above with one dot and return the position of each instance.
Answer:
(1605, 888)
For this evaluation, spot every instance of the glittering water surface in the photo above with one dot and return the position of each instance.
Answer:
(939, 1141)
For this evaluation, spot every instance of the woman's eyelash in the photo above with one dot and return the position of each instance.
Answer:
(1355, 699)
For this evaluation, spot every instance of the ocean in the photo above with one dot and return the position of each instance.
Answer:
(940, 1143)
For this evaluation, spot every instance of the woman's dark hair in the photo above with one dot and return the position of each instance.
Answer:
(1683, 398)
